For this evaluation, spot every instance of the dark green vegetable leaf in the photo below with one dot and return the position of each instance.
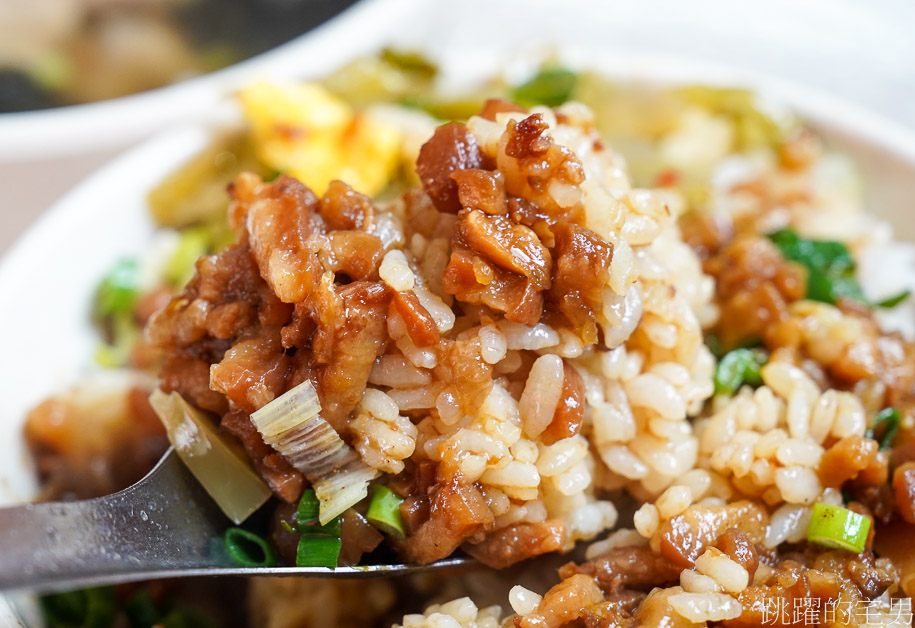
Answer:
(830, 269)
(248, 549)
(117, 293)
(318, 550)
(888, 422)
(739, 367)
(826, 256)
(87, 608)
(895, 300)
(550, 87)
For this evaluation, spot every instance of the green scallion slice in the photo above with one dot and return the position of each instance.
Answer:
(892, 420)
(318, 550)
(384, 511)
(307, 516)
(248, 549)
(739, 367)
(838, 528)
(118, 291)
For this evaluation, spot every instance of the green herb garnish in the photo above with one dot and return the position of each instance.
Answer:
(838, 528)
(550, 87)
(830, 269)
(384, 511)
(248, 549)
(739, 367)
(891, 421)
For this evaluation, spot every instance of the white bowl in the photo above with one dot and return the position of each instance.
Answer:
(48, 277)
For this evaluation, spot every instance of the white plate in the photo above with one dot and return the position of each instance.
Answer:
(47, 279)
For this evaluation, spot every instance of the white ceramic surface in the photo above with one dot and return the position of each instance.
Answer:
(47, 279)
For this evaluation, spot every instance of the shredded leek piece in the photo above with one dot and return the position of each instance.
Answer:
(248, 549)
(838, 528)
(384, 511)
(292, 425)
(221, 468)
(318, 550)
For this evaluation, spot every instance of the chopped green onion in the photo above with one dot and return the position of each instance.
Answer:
(141, 611)
(384, 511)
(838, 528)
(192, 243)
(739, 367)
(307, 516)
(248, 549)
(118, 291)
(87, 608)
(318, 550)
(893, 421)
(550, 87)
(219, 465)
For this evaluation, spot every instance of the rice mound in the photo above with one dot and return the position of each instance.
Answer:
(522, 340)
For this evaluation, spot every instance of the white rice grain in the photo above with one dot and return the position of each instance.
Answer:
(523, 601)
(541, 394)
(395, 271)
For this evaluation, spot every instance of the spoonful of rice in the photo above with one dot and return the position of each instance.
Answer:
(165, 526)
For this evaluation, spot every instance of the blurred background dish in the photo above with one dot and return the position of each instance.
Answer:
(68, 52)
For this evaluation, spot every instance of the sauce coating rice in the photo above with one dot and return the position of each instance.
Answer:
(518, 347)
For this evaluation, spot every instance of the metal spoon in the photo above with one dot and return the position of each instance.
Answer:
(164, 526)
